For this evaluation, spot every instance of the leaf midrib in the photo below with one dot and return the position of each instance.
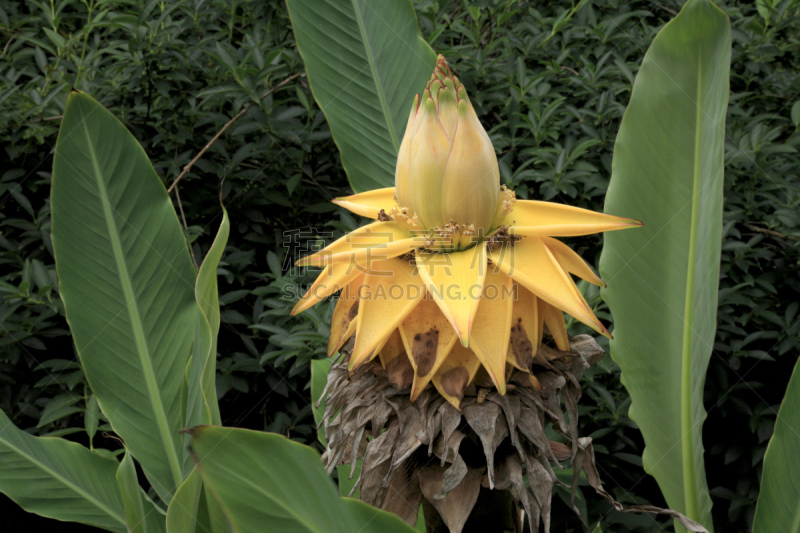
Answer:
(77, 489)
(135, 317)
(687, 442)
(379, 89)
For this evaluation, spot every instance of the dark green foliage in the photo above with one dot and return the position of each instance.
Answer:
(550, 83)
(175, 73)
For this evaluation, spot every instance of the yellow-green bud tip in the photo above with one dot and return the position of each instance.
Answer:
(447, 169)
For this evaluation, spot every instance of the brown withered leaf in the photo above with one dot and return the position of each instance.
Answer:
(586, 347)
(482, 418)
(585, 460)
(561, 451)
(447, 450)
(451, 419)
(457, 505)
(408, 439)
(530, 505)
(541, 479)
(403, 495)
(370, 483)
(452, 477)
(397, 473)
(511, 409)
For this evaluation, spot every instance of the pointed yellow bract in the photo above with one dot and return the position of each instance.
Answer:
(534, 218)
(343, 323)
(492, 329)
(531, 264)
(571, 262)
(526, 329)
(332, 279)
(554, 320)
(579, 296)
(361, 257)
(369, 204)
(455, 281)
(428, 337)
(456, 373)
(377, 241)
(391, 349)
(391, 290)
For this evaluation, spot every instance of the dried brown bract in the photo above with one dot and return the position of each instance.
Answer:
(453, 462)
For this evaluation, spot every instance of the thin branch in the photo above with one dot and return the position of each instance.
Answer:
(8, 43)
(40, 119)
(772, 233)
(668, 10)
(225, 127)
(185, 226)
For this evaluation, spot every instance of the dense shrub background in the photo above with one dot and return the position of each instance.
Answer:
(550, 83)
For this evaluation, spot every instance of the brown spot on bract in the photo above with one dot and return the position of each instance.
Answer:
(521, 345)
(424, 351)
(400, 372)
(353, 312)
(454, 381)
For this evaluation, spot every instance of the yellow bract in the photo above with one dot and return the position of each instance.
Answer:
(428, 338)
(429, 312)
(391, 290)
(491, 334)
(455, 281)
(369, 204)
(435, 317)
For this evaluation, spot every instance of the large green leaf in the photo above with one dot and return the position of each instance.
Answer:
(662, 279)
(127, 283)
(266, 483)
(778, 507)
(59, 479)
(365, 61)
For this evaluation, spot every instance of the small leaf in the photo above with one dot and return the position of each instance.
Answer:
(91, 416)
(291, 183)
(131, 495)
(796, 114)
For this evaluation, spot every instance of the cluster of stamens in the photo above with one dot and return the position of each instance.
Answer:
(454, 235)
(502, 237)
